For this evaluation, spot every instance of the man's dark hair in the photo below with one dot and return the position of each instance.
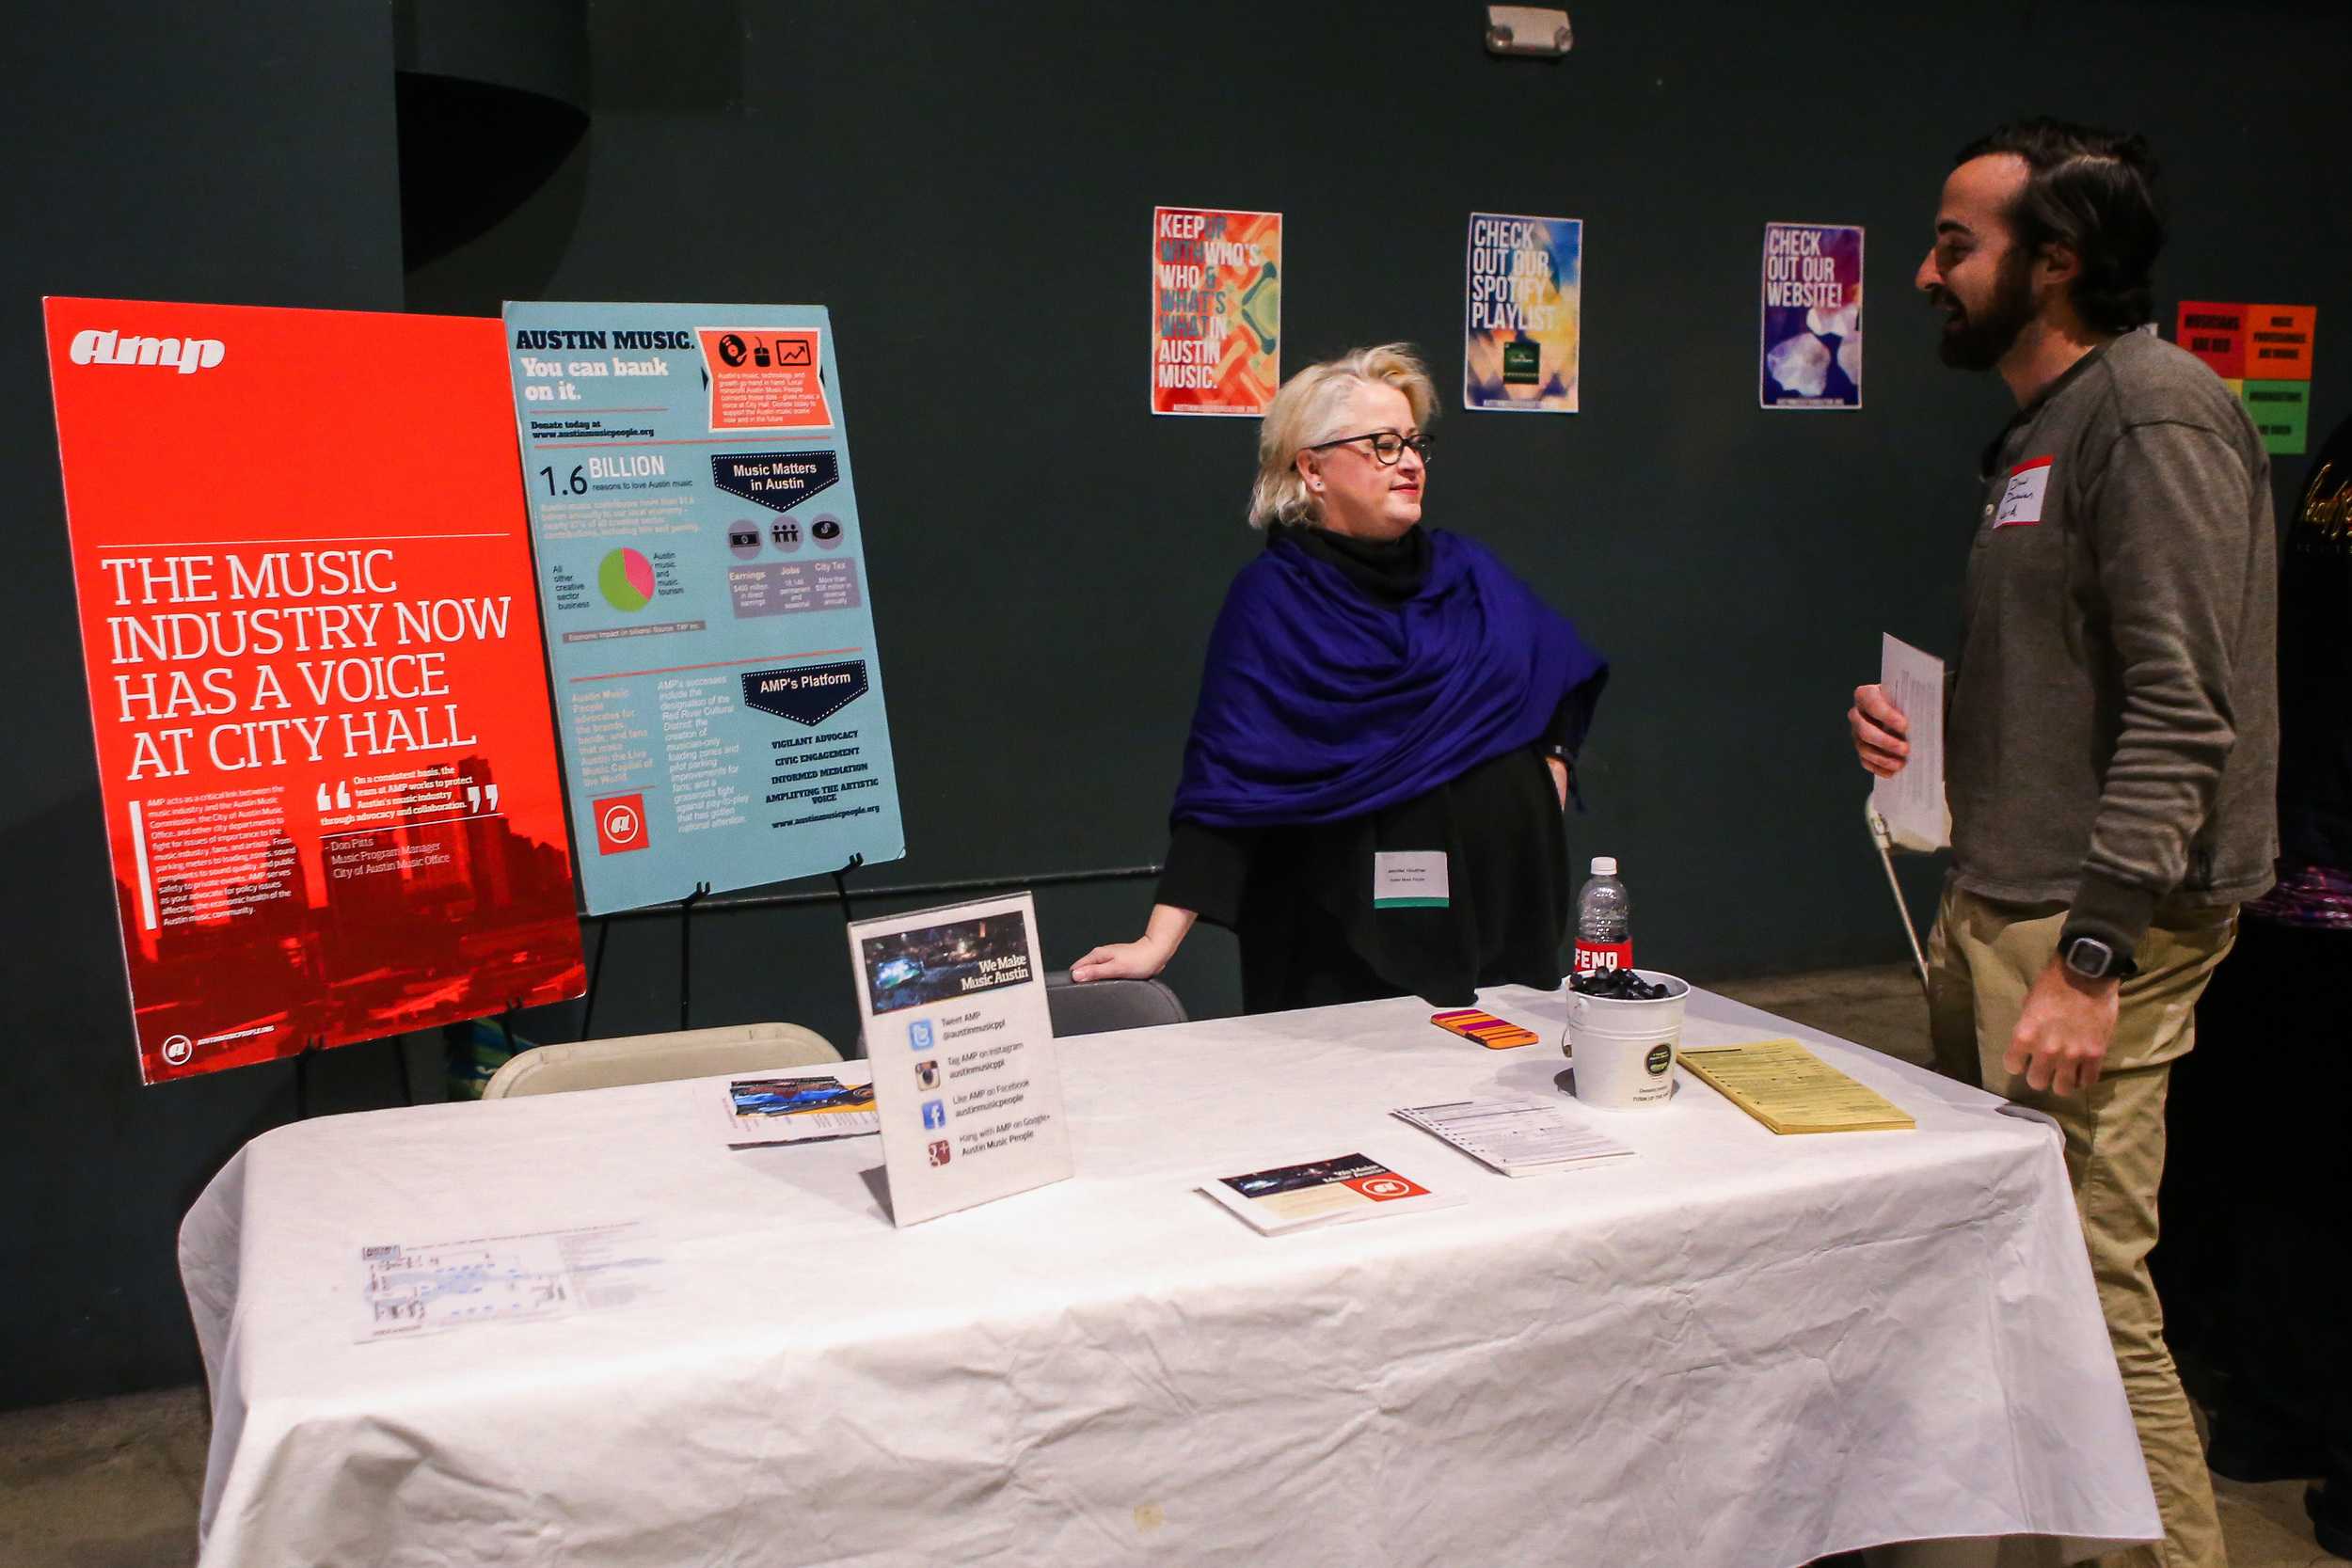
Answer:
(2095, 193)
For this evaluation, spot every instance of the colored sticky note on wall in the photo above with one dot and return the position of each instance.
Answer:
(2282, 410)
(2216, 333)
(2278, 342)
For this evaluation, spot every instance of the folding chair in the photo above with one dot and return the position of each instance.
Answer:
(739, 1047)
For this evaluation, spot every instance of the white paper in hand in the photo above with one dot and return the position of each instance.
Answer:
(1912, 801)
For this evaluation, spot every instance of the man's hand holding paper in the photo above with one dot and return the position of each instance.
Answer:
(1878, 729)
(1906, 758)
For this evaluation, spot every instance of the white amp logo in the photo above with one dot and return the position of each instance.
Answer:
(188, 354)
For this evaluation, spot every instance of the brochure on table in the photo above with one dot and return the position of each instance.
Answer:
(1330, 1189)
(323, 746)
(1790, 1089)
(702, 571)
(965, 1076)
(800, 1104)
(407, 1290)
(1517, 1137)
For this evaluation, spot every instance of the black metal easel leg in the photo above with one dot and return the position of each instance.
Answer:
(686, 951)
(841, 886)
(302, 1075)
(841, 891)
(595, 974)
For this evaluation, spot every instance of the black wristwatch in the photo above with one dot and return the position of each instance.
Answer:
(2094, 960)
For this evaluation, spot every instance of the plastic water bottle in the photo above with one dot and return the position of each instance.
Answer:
(1604, 920)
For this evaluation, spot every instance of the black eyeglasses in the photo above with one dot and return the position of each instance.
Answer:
(1387, 445)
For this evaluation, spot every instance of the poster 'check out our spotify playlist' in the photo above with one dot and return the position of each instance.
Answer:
(1523, 320)
(966, 1078)
(701, 575)
(1216, 310)
(1810, 336)
(324, 751)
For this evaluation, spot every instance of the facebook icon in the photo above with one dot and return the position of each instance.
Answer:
(934, 1113)
(919, 1033)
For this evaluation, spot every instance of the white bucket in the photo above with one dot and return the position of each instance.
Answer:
(1624, 1051)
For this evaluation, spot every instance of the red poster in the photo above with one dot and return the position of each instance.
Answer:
(315, 674)
(2216, 333)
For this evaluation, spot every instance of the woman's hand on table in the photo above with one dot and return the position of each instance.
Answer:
(1120, 960)
(1143, 957)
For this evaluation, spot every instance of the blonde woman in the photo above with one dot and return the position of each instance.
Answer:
(1373, 789)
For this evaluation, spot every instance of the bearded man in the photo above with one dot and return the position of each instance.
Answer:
(2112, 745)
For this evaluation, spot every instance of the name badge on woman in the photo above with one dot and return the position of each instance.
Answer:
(1409, 880)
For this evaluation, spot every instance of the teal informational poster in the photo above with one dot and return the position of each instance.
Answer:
(701, 578)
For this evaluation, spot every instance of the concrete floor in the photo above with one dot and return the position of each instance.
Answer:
(1879, 1007)
(114, 1483)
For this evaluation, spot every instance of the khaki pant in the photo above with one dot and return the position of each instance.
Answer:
(1982, 959)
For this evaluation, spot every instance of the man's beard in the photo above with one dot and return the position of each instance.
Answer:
(1977, 342)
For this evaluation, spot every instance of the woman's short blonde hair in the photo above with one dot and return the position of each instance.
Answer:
(1308, 410)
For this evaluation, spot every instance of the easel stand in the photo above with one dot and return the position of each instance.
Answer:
(317, 1043)
(686, 908)
(841, 886)
(686, 951)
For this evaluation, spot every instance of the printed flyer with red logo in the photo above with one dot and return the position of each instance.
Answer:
(324, 745)
(702, 574)
(1334, 1190)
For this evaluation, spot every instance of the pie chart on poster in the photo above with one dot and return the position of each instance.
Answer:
(625, 578)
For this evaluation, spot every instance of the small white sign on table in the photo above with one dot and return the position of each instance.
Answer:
(962, 1045)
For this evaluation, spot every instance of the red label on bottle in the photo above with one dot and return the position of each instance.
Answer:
(1591, 956)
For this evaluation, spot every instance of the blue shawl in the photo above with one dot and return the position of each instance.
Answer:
(1319, 703)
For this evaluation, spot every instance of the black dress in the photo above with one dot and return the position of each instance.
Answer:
(1300, 899)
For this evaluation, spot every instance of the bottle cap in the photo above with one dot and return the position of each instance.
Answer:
(1605, 866)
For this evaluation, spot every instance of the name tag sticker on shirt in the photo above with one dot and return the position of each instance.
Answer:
(2021, 503)
(1409, 880)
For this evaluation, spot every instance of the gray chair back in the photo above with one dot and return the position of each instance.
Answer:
(1100, 1007)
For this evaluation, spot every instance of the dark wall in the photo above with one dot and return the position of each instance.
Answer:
(971, 196)
(970, 193)
(246, 164)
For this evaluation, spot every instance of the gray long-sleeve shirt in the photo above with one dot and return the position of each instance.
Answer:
(2113, 737)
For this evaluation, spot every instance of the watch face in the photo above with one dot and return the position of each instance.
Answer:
(2090, 957)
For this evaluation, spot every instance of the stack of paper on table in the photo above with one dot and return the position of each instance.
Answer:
(1517, 1137)
(800, 1104)
(1790, 1089)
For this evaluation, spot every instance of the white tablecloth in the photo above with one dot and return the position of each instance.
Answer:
(1731, 1349)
